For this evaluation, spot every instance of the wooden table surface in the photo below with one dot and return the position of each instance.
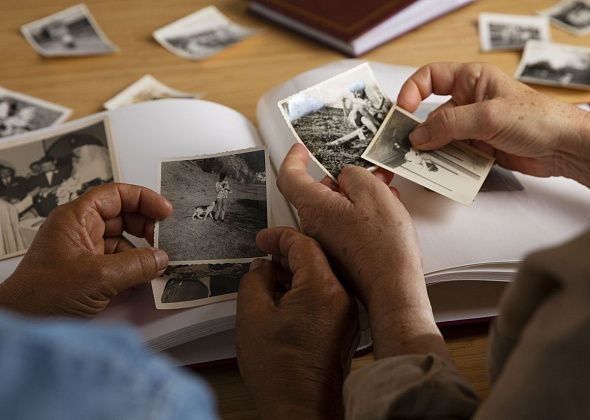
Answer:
(237, 77)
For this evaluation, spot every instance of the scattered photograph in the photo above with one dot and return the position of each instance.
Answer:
(456, 171)
(547, 63)
(201, 34)
(571, 15)
(584, 106)
(148, 88)
(21, 113)
(220, 203)
(337, 119)
(498, 32)
(187, 286)
(71, 32)
(39, 173)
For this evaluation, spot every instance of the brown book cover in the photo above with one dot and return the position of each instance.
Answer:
(343, 19)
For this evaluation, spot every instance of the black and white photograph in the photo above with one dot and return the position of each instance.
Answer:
(547, 63)
(71, 32)
(201, 34)
(498, 32)
(39, 173)
(186, 286)
(148, 88)
(337, 119)
(456, 171)
(220, 203)
(21, 113)
(571, 15)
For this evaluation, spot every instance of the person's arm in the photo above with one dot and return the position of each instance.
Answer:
(80, 259)
(525, 130)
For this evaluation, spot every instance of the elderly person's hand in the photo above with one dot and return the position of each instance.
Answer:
(369, 235)
(294, 349)
(80, 259)
(525, 130)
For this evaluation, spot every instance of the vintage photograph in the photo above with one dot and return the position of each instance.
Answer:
(511, 32)
(547, 63)
(456, 171)
(38, 174)
(21, 113)
(148, 88)
(71, 32)
(186, 286)
(571, 15)
(201, 34)
(220, 203)
(337, 119)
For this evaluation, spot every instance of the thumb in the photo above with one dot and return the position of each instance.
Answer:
(466, 122)
(257, 287)
(133, 267)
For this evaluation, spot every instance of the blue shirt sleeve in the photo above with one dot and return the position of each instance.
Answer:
(57, 369)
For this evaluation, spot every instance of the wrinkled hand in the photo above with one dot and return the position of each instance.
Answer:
(294, 350)
(525, 130)
(79, 259)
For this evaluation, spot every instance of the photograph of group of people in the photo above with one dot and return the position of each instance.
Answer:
(37, 174)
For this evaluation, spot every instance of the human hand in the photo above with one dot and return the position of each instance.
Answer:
(79, 259)
(369, 235)
(525, 130)
(294, 350)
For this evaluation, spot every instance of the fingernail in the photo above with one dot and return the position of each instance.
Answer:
(420, 136)
(161, 259)
(256, 264)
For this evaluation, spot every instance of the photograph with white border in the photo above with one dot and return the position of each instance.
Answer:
(187, 286)
(71, 32)
(148, 88)
(20, 113)
(551, 64)
(337, 118)
(456, 170)
(220, 203)
(570, 15)
(499, 32)
(40, 171)
(201, 34)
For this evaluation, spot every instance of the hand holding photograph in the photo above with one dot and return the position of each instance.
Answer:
(71, 32)
(148, 88)
(551, 64)
(456, 171)
(220, 203)
(337, 119)
(498, 32)
(39, 173)
(201, 34)
(21, 113)
(570, 15)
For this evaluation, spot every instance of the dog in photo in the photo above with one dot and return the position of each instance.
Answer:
(201, 212)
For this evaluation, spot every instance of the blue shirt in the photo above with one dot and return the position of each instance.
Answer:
(57, 369)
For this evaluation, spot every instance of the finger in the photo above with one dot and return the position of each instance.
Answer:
(330, 183)
(294, 182)
(302, 252)
(133, 223)
(383, 175)
(474, 121)
(394, 191)
(359, 184)
(257, 287)
(114, 245)
(132, 267)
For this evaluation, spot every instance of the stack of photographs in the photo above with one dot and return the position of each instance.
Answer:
(39, 172)
(220, 203)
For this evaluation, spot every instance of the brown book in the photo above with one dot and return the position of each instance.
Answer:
(343, 19)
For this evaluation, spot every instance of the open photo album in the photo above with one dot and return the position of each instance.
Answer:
(219, 171)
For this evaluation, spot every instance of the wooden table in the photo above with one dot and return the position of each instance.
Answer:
(238, 77)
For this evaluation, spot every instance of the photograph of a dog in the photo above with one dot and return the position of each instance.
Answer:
(220, 204)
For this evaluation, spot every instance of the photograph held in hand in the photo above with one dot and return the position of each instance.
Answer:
(39, 173)
(336, 119)
(220, 203)
(456, 170)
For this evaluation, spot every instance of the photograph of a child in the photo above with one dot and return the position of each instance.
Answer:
(220, 204)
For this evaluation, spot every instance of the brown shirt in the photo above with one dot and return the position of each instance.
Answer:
(539, 356)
